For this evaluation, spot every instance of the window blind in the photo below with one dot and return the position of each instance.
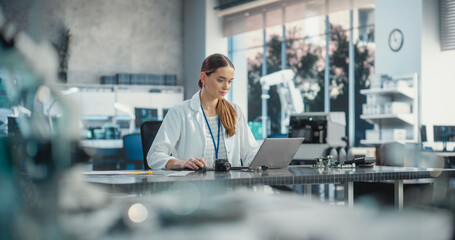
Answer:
(447, 24)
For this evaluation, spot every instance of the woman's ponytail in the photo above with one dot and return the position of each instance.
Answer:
(227, 115)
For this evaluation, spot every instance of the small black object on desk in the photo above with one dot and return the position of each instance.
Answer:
(362, 161)
(222, 165)
(202, 170)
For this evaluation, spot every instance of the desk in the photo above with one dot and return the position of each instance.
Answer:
(293, 175)
(243, 214)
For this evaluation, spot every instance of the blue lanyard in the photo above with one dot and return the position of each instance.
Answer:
(217, 146)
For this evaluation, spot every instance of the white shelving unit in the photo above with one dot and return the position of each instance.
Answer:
(99, 99)
(393, 107)
(95, 104)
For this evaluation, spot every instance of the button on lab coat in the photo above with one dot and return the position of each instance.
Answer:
(182, 133)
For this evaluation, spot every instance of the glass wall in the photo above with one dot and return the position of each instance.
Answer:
(305, 54)
(364, 49)
(254, 54)
(305, 51)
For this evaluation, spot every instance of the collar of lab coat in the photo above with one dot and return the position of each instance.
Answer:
(195, 105)
(196, 102)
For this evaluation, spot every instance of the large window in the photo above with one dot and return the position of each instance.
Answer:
(306, 56)
(305, 42)
(254, 54)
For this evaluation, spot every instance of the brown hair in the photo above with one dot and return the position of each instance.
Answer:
(223, 108)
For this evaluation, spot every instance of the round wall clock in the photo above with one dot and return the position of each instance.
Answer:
(396, 39)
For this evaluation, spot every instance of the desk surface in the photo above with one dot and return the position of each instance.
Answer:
(293, 175)
(259, 216)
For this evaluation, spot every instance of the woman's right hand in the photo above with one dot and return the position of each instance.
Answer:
(192, 163)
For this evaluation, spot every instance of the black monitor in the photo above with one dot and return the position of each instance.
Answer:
(423, 133)
(444, 133)
(145, 114)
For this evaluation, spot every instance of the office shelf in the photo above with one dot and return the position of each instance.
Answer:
(98, 99)
(123, 87)
(393, 108)
(390, 119)
(380, 142)
(406, 92)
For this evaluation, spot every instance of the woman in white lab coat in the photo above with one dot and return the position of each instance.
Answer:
(206, 127)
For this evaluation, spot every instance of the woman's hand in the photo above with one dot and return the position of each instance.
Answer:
(192, 163)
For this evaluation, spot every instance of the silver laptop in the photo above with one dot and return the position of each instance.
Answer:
(276, 153)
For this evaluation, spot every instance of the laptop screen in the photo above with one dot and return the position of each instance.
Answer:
(276, 152)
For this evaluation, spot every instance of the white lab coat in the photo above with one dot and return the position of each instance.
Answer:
(182, 133)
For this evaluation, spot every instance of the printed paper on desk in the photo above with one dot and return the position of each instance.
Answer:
(118, 172)
(179, 174)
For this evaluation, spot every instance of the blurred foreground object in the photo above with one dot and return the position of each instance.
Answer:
(187, 211)
(36, 153)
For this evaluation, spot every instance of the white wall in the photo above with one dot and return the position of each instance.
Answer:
(108, 37)
(405, 15)
(193, 44)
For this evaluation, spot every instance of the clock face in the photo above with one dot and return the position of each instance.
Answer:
(396, 39)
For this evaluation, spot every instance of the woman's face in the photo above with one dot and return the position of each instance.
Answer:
(218, 83)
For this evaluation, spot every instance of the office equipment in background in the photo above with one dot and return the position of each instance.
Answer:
(138, 79)
(423, 133)
(145, 114)
(111, 131)
(149, 129)
(170, 79)
(444, 134)
(128, 110)
(108, 80)
(91, 132)
(365, 162)
(154, 79)
(123, 78)
(324, 133)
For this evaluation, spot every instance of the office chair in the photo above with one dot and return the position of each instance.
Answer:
(149, 129)
(132, 146)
